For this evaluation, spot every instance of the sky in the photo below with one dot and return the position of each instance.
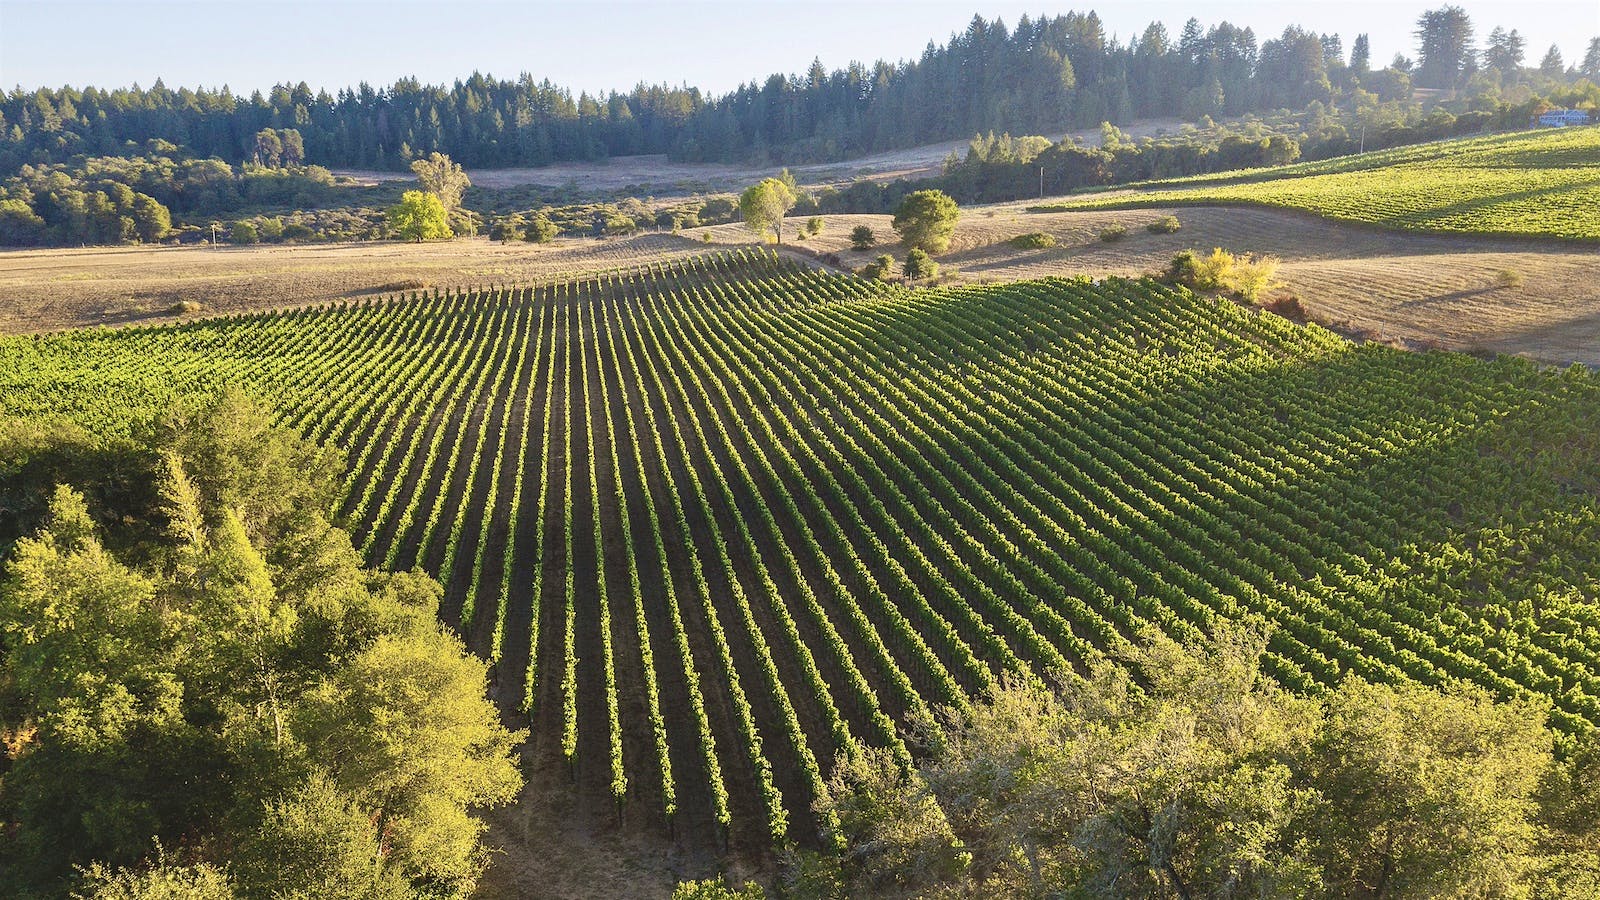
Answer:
(601, 46)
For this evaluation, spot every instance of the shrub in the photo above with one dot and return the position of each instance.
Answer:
(813, 226)
(184, 307)
(243, 233)
(1508, 278)
(920, 265)
(540, 231)
(881, 268)
(1164, 225)
(1114, 232)
(1244, 275)
(1035, 240)
(862, 238)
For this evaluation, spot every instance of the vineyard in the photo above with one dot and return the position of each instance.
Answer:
(1543, 183)
(718, 520)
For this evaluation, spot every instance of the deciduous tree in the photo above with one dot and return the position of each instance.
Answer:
(764, 204)
(419, 216)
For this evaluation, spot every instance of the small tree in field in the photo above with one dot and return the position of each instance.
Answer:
(862, 238)
(920, 265)
(419, 216)
(881, 268)
(926, 219)
(540, 230)
(763, 206)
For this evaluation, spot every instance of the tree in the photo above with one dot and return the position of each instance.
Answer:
(1591, 61)
(920, 265)
(443, 178)
(862, 238)
(926, 220)
(231, 680)
(294, 146)
(763, 206)
(1505, 52)
(243, 233)
(1444, 47)
(268, 147)
(540, 230)
(1423, 794)
(1186, 772)
(1552, 65)
(419, 216)
(1361, 55)
(151, 220)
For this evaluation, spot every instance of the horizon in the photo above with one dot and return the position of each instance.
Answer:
(691, 44)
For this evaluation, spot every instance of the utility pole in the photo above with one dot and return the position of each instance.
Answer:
(213, 235)
(1041, 182)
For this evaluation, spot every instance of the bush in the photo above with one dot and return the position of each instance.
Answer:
(862, 238)
(1034, 240)
(813, 226)
(184, 308)
(243, 233)
(1244, 275)
(881, 268)
(717, 889)
(920, 265)
(1114, 232)
(1508, 278)
(1164, 225)
(540, 231)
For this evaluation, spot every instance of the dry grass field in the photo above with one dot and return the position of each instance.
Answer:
(1418, 290)
(1414, 289)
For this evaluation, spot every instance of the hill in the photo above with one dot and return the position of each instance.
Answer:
(1536, 184)
(715, 518)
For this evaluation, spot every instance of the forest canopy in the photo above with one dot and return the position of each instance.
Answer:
(201, 686)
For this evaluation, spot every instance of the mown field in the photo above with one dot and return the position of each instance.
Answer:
(1540, 183)
(719, 519)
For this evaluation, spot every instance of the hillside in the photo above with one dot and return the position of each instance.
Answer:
(1536, 184)
(713, 519)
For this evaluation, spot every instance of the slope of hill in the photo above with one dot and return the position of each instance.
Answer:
(714, 520)
(1542, 183)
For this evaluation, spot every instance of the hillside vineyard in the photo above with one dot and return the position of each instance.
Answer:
(718, 521)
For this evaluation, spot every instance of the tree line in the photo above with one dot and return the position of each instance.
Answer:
(1050, 72)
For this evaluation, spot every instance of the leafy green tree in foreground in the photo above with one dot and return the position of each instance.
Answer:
(229, 681)
(419, 216)
(1197, 777)
(925, 220)
(763, 206)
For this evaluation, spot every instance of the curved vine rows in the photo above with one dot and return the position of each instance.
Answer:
(719, 521)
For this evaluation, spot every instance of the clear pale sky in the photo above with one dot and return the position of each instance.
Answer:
(599, 46)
